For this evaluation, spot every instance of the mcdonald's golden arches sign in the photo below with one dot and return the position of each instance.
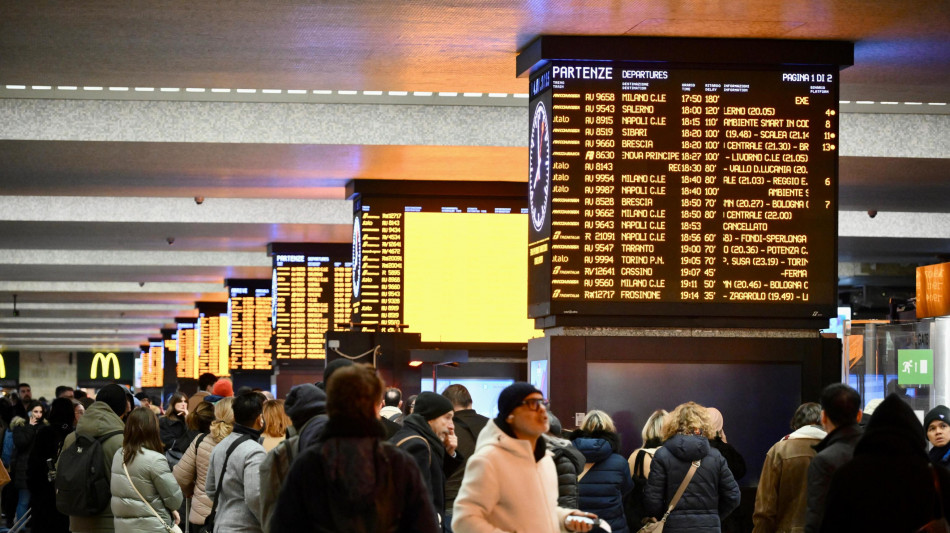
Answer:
(99, 368)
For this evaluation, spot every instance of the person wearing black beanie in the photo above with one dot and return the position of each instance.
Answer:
(116, 397)
(937, 424)
(332, 367)
(428, 435)
(511, 479)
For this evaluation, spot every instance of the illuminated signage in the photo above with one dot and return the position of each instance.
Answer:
(251, 332)
(153, 368)
(95, 369)
(683, 191)
(9, 369)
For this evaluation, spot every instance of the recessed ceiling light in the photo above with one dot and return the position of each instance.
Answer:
(864, 102)
(472, 95)
(372, 93)
(448, 94)
(296, 91)
(936, 103)
(398, 93)
(913, 103)
(169, 89)
(219, 90)
(41, 87)
(16, 86)
(67, 87)
(271, 91)
(346, 92)
(118, 89)
(145, 89)
(888, 103)
(498, 95)
(247, 91)
(322, 91)
(90, 88)
(422, 93)
(194, 89)
(520, 95)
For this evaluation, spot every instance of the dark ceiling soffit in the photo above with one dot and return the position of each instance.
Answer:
(336, 251)
(685, 50)
(435, 189)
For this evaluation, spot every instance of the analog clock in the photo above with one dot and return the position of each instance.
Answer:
(357, 257)
(539, 167)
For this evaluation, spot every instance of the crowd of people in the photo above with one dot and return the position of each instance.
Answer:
(349, 455)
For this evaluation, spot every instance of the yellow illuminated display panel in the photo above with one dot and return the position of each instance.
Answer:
(466, 277)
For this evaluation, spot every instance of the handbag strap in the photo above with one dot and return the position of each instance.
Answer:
(224, 467)
(150, 508)
(679, 492)
(587, 468)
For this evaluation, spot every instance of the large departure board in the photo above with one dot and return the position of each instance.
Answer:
(310, 295)
(448, 264)
(249, 309)
(153, 364)
(213, 353)
(659, 189)
(187, 349)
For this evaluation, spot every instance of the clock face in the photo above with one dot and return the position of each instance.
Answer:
(357, 257)
(539, 167)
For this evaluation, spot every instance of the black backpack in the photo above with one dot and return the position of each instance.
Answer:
(82, 487)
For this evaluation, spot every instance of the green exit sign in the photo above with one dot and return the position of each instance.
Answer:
(915, 367)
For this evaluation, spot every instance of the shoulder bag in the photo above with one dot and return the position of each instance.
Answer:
(208, 526)
(169, 528)
(657, 527)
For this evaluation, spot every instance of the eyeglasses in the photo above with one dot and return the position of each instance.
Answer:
(535, 403)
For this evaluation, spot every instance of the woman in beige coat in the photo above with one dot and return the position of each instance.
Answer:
(148, 476)
(191, 472)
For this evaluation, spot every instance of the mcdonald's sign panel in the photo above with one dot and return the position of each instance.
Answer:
(9, 369)
(98, 369)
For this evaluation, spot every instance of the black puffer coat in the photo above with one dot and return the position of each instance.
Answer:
(569, 463)
(24, 434)
(710, 496)
(888, 485)
(603, 487)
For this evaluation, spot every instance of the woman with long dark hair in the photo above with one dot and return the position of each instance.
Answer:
(173, 425)
(142, 484)
(24, 435)
(46, 449)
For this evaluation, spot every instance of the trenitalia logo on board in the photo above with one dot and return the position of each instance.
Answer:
(95, 369)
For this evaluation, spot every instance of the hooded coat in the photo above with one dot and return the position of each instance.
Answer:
(352, 481)
(782, 495)
(569, 462)
(429, 453)
(153, 479)
(98, 420)
(710, 496)
(508, 487)
(891, 455)
(602, 489)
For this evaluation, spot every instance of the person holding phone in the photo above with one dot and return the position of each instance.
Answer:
(173, 425)
(24, 435)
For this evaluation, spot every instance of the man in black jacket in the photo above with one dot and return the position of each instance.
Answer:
(840, 414)
(428, 435)
(468, 424)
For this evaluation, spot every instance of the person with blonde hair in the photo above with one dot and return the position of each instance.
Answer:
(605, 479)
(711, 494)
(192, 471)
(276, 423)
(639, 464)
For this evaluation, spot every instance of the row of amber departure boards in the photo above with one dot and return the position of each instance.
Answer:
(656, 187)
(311, 295)
(152, 364)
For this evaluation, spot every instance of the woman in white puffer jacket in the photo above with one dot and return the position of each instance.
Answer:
(148, 469)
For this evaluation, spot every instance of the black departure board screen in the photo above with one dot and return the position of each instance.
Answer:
(310, 295)
(249, 308)
(186, 346)
(153, 366)
(659, 190)
(451, 268)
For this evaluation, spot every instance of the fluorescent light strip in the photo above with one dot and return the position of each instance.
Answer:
(347, 92)
(472, 95)
(247, 91)
(372, 93)
(169, 89)
(888, 103)
(296, 91)
(17, 87)
(88, 88)
(119, 89)
(220, 90)
(864, 102)
(194, 90)
(271, 91)
(145, 89)
(67, 88)
(936, 103)
(498, 95)
(520, 95)
(41, 87)
(398, 93)
(422, 93)
(322, 91)
(913, 103)
(448, 94)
